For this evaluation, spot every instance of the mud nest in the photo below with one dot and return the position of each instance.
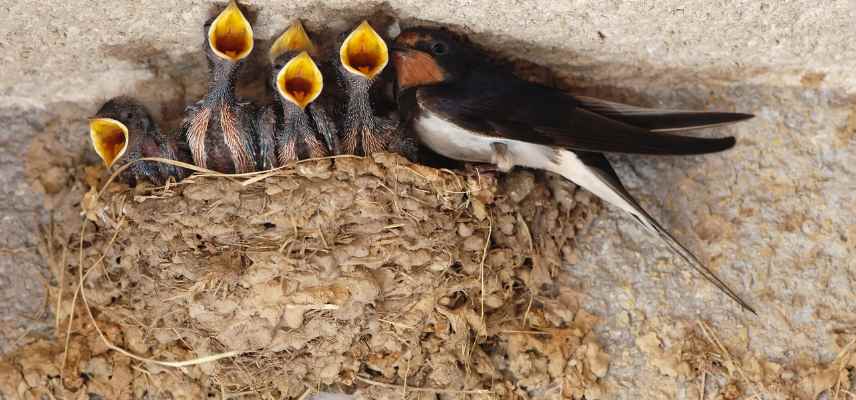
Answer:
(369, 276)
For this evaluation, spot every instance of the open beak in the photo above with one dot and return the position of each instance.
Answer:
(294, 39)
(364, 52)
(230, 35)
(109, 138)
(300, 81)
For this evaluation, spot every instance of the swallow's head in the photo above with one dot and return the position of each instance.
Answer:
(297, 78)
(229, 36)
(112, 127)
(363, 53)
(429, 56)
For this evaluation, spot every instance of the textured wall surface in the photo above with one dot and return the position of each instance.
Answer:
(776, 216)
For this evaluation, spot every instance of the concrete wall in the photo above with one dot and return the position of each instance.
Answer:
(776, 216)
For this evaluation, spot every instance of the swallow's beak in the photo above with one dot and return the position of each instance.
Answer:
(294, 39)
(109, 138)
(364, 52)
(230, 35)
(300, 81)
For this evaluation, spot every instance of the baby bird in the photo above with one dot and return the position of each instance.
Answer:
(123, 131)
(363, 55)
(295, 126)
(219, 128)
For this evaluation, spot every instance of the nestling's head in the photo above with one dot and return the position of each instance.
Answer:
(228, 36)
(363, 54)
(296, 78)
(113, 127)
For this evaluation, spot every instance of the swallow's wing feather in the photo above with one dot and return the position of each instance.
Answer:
(658, 120)
(247, 140)
(505, 106)
(593, 172)
(325, 126)
(171, 148)
(266, 127)
(194, 128)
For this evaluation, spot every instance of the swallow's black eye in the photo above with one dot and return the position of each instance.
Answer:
(439, 48)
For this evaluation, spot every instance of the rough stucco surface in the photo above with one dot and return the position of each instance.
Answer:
(776, 216)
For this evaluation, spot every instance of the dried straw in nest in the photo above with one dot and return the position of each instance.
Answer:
(372, 276)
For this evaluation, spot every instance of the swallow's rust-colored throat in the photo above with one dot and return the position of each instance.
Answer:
(416, 68)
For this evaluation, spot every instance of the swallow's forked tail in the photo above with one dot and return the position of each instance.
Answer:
(593, 172)
(657, 120)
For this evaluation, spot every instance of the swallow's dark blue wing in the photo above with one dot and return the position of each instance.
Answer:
(325, 126)
(658, 120)
(503, 105)
(266, 128)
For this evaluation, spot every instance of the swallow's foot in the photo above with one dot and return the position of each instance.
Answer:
(502, 157)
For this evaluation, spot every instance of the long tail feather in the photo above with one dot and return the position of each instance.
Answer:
(593, 172)
(660, 120)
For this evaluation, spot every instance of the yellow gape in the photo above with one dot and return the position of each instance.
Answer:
(230, 35)
(364, 52)
(294, 39)
(300, 81)
(109, 138)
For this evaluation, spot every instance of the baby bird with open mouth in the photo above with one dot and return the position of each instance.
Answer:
(123, 131)
(295, 126)
(363, 55)
(219, 128)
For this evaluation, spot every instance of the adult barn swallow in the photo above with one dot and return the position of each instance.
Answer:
(466, 107)
(363, 55)
(123, 131)
(294, 126)
(219, 128)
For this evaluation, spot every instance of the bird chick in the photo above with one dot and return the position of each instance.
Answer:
(123, 131)
(363, 55)
(295, 126)
(220, 129)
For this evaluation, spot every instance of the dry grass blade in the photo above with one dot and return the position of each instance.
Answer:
(253, 176)
(417, 389)
(514, 332)
(73, 306)
(61, 283)
(82, 290)
(481, 265)
(843, 360)
(714, 340)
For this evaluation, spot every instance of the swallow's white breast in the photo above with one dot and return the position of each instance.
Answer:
(457, 143)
